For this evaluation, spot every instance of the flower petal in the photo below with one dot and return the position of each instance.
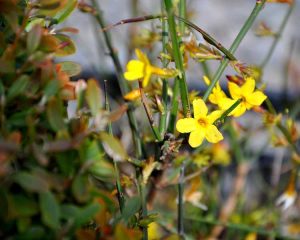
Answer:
(212, 134)
(130, 76)
(239, 110)
(200, 108)
(135, 70)
(226, 103)
(186, 125)
(249, 86)
(196, 138)
(256, 98)
(235, 90)
(214, 116)
(135, 66)
(142, 57)
(206, 80)
(147, 77)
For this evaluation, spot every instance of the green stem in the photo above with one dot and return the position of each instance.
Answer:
(163, 116)
(121, 198)
(205, 69)
(182, 13)
(148, 113)
(258, 7)
(277, 36)
(178, 58)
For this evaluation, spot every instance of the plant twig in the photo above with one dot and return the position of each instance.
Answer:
(121, 198)
(148, 113)
(165, 39)
(208, 38)
(132, 20)
(178, 59)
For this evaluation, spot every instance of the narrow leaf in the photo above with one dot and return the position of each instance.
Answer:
(50, 209)
(93, 96)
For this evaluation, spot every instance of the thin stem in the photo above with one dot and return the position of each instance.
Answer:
(182, 13)
(121, 198)
(165, 38)
(258, 7)
(206, 69)
(178, 58)
(277, 36)
(208, 38)
(148, 113)
(132, 20)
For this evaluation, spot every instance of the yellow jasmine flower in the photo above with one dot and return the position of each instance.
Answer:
(248, 95)
(217, 93)
(201, 126)
(142, 68)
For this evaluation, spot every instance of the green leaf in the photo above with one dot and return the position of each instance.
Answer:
(103, 170)
(132, 206)
(33, 22)
(2, 90)
(93, 96)
(66, 11)
(148, 219)
(51, 88)
(113, 147)
(86, 214)
(80, 188)
(91, 151)
(66, 46)
(18, 87)
(34, 38)
(70, 68)
(69, 211)
(23, 223)
(22, 206)
(54, 114)
(50, 210)
(33, 233)
(30, 182)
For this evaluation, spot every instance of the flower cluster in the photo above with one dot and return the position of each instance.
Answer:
(202, 125)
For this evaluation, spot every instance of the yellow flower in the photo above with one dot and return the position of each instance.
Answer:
(201, 126)
(248, 95)
(217, 93)
(142, 68)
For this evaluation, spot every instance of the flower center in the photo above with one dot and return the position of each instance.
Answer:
(203, 122)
